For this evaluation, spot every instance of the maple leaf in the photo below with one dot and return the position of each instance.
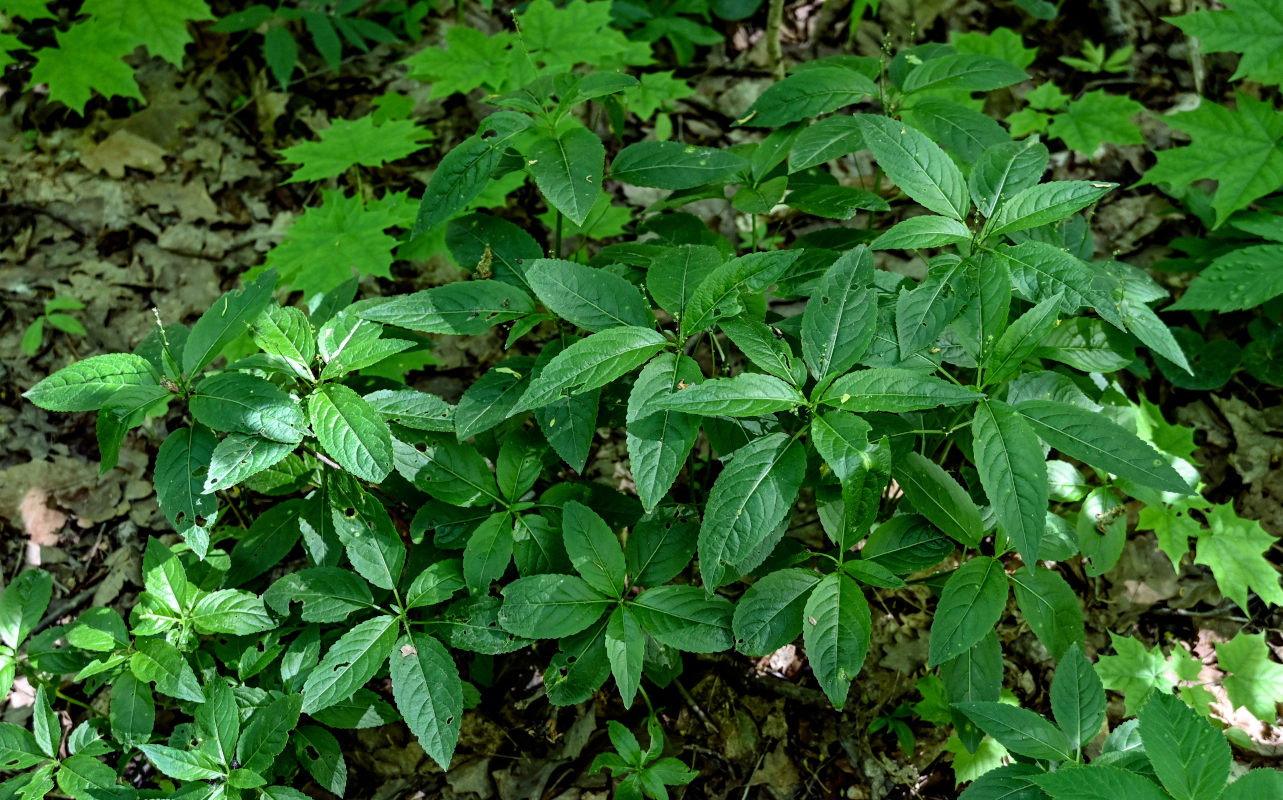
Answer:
(86, 60)
(1255, 682)
(1253, 28)
(27, 9)
(655, 91)
(470, 60)
(8, 42)
(1135, 671)
(579, 33)
(1233, 547)
(1242, 150)
(159, 25)
(1173, 526)
(353, 141)
(327, 242)
(1097, 117)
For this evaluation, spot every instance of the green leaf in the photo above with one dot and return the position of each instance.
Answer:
(158, 25)
(182, 464)
(462, 175)
(322, 756)
(286, 332)
(922, 314)
(839, 320)
(231, 611)
(1051, 608)
(894, 390)
(594, 299)
(1234, 548)
(674, 274)
(568, 169)
(133, 711)
(917, 165)
(836, 631)
(491, 398)
(165, 580)
(1013, 473)
(580, 667)
(228, 318)
(685, 617)
(1098, 783)
(429, 694)
(1088, 345)
(366, 531)
(451, 472)
(1249, 27)
(349, 663)
(1240, 279)
(98, 629)
(1255, 784)
(938, 497)
(1044, 204)
(1021, 339)
(659, 440)
(238, 457)
(1019, 730)
(1077, 697)
(594, 549)
(465, 308)
(764, 347)
(1012, 782)
(1040, 270)
(971, 603)
(219, 719)
(87, 58)
(1003, 171)
(45, 724)
(833, 201)
(1103, 444)
(928, 230)
(550, 606)
(1254, 681)
(1095, 118)
(626, 648)
(159, 662)
(753, 494)
(95, 382)
(673, 165)
(82, 776)
(436, 584)
(348, 142)
(352, 432)
(591, 363)
(963, 72)
(718, 295)
(905, 544)
(659, 547)
(18, 748)
(569, 423)
(1135, 671)
(748, 394)
(806, 94)
(769, 615)
(238, 402)
(22, 605)
(1242, 150)
(842, 439)
(184, 765)
(963, 131)
(348, 344)
(327, 242)
(418, 411)
(488, 553)
(267, 732)
(825, 140)
(1189, 755)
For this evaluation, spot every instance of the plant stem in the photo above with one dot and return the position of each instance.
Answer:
(556, 241)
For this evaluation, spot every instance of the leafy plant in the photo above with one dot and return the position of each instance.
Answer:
(54, 318)
(1167, 751)
(646, 773)
(89, 53)
(1096, 59)
(957, 386)
(328, 25)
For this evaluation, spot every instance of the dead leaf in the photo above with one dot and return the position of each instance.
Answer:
(124, 149)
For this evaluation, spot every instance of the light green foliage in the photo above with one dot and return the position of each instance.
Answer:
(1253, 28)
(1233, 548)
(347, 143)
(328, 243)
(1240, 149)
(1252, 681)
(53, 318)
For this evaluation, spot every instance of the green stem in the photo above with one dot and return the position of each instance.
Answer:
(556, 242)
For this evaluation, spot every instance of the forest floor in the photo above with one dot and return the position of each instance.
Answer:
(145, 210)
